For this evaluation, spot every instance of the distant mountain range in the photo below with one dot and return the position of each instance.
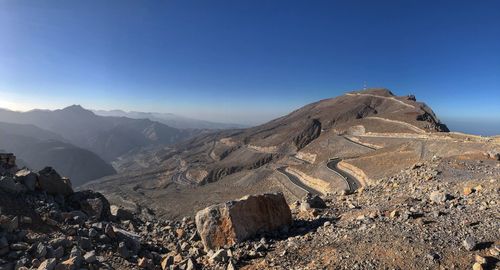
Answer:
(109, 137)
(170, 119)
(39, 148)
(79, 143)
(227, 164)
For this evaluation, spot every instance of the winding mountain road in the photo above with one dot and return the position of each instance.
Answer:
(351, 181)
(180, 178)
(358, 143)
(296, 181)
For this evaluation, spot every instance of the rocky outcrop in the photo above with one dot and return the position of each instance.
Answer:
(27, 178)
(430, 117)
(234, 221)
(19, 181)
(310, 132)
(92, 203)
(51, 182)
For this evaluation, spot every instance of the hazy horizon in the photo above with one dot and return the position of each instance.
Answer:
(476, 126)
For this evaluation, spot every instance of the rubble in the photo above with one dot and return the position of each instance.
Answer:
(80, 230)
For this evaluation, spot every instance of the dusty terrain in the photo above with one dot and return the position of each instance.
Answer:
(392, 189)
(375, 133)
(441, 213)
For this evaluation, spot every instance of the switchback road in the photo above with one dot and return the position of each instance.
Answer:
(351, 181)
(296, 181)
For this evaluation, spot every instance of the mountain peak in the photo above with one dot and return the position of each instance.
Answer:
(77, 109)
(384, 92)
(74, 107)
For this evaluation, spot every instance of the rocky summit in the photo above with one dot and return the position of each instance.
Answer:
(367, 180)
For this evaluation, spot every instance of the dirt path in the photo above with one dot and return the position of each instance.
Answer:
(386, 98)
(360, 144)
(410, 126)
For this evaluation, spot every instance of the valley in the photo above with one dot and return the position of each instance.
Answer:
(333, 146)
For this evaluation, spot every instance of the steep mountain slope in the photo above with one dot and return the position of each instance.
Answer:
(109, 137)
(291, 152)
(39, 148)
(169, 119)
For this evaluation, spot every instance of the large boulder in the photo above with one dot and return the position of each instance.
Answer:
(52, 183)
(92, 203)
(234, 221)
(132, 240)
(121, 214)
(27, 178)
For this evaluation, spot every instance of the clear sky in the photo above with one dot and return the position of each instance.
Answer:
(248, 61)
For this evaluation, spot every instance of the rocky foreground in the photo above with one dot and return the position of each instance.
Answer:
(441, 214)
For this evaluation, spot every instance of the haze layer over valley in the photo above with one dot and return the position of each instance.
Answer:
(81, 144)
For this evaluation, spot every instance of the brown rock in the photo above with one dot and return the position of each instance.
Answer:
(144, 263)
(234, 221)
(120, 213)
(178, 258)
(69, 264)
(480, 259)
(94, 204)
(468, 191)
(51, 182)
(477, 266)
(48, 264)
(109, 231)
(167, 261)
(180, 233)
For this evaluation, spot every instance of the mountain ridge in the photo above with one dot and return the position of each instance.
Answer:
(170, 119)
(39, 148)
(303, 141)
(109, 137)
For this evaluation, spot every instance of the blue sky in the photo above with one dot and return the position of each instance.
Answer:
(248, 61)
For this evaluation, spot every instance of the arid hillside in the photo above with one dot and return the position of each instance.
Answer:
(370, 134)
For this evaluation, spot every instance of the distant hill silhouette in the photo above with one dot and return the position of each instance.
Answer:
(170, 119)
(109, 137)
(37, 148)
